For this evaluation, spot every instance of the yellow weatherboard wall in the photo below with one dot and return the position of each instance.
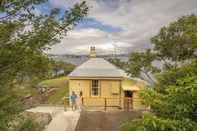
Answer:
(108, 89)
(112, 90)
(80, 85)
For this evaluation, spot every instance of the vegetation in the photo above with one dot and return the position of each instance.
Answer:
(24, 36)
(117, 62)
(54, 83)
(58, 97)
(141, 63)
(173, 99)
(60, 68)
(30, 125)
(54, 90)
(177, 42)
(173, 46)
(61, 86)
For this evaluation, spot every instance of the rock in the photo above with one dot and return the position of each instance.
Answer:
(42, 118)
(52, 90)
(28, 96)
(42, 90)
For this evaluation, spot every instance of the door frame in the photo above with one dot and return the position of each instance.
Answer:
(128, 100)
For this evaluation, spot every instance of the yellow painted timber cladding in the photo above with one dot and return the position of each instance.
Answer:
(107, 89)
(137, 101)
(80, 85)
(112, 89)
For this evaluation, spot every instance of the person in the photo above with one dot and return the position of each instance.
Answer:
(73, 98)
(80, 101)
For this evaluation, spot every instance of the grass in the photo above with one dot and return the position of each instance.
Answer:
(57, 98)
(61, 85)
(60, 82)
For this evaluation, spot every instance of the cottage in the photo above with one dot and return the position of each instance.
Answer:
(103, 84)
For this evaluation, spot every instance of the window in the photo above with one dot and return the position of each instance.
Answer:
(95, 88)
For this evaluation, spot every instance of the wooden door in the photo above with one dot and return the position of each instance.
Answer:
(128, 100)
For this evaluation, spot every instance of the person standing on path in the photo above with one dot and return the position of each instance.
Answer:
(80, 101)
(73, 99)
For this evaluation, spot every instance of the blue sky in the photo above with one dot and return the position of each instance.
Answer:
(93, 23)
(121, 25)
(87, 22)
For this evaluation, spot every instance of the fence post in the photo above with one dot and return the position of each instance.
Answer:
(105, 104)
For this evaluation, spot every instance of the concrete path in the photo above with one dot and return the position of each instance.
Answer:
(61, 120)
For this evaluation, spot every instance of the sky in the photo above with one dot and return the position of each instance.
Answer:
(120, 26)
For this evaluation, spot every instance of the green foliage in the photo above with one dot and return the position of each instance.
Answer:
(141, 63)
(179, 100)
(30, 125)
(173, 46)
(169, 77)
(57, 98)
(13, 7)
(68, 68)
(173, 100)
(9, 106)
(176, 109)
(154, 123)
(22, 51)
(58, 65)
(62, 90)
(54, 83)
(117, 62)
(177, 42)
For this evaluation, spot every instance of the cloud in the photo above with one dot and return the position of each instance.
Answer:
(84, 33)
(137, 21)
(79, 41)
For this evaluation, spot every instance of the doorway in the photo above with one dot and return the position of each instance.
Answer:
(128, 94)
(128, 101)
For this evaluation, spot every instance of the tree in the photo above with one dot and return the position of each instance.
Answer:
(169, 77)
(22, 51)
(174, 109)
(173, 100)
(117, 62)
(174, 46)
(141, 63)
(177, 42)
(61, 66)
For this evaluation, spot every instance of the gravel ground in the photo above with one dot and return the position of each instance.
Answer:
(103, 121)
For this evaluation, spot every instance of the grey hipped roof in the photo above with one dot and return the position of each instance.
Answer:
(97, 67)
